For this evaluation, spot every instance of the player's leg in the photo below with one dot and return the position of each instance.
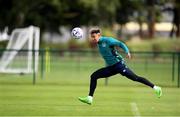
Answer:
(100, 73)
(131, 75)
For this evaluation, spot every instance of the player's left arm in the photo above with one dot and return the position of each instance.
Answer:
(120, 44)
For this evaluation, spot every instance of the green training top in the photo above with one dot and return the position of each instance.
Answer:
(106, 46)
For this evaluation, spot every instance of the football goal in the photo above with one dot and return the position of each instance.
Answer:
(22, 52)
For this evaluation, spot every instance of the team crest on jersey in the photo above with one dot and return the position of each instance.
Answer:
(103, 44)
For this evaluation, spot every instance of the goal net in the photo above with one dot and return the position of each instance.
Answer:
(22, 52)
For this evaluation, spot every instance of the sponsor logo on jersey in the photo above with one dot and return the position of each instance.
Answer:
(103, 44)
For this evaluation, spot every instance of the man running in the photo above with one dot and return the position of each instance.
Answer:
(114, 64)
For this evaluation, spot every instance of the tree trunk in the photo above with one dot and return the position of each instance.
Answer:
(178, 31)
(176, 20)
(140, 29)
(151, 18)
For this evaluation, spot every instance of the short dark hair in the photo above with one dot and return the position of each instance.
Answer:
(96, 30)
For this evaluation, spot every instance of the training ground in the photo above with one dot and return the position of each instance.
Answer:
(68, 78)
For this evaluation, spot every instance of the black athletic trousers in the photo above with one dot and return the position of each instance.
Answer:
(119, 67)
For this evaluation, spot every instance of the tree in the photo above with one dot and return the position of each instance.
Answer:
(102, 12)
(43, 13)
(176, 19)
(51, 14)
(151, 17)
(127, 10)
(175, 10)
(138, 14)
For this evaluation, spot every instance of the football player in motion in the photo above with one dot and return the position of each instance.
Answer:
(114, 64)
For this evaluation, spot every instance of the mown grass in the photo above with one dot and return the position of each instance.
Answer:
(56, 94)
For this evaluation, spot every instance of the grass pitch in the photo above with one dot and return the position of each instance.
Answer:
(56, 94)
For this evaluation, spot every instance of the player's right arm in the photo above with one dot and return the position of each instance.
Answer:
(114, 42)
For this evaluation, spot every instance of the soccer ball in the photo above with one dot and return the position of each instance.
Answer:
(77, 33)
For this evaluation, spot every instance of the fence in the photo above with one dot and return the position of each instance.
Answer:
(161, 67)
(160, 64)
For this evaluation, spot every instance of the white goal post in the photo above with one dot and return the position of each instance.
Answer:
(22, 52)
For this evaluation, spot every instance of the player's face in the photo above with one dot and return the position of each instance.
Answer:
(95, 37)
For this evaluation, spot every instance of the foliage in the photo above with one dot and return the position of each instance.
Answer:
(51, 14)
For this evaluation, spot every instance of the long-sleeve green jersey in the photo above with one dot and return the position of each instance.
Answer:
(106, 46)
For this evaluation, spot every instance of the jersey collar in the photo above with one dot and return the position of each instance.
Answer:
(99, 41)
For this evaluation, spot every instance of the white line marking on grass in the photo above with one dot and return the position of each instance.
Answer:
(135, 109)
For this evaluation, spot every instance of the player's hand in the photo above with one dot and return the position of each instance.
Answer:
(128, 55)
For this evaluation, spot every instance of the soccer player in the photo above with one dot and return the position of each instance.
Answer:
(114, 64)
